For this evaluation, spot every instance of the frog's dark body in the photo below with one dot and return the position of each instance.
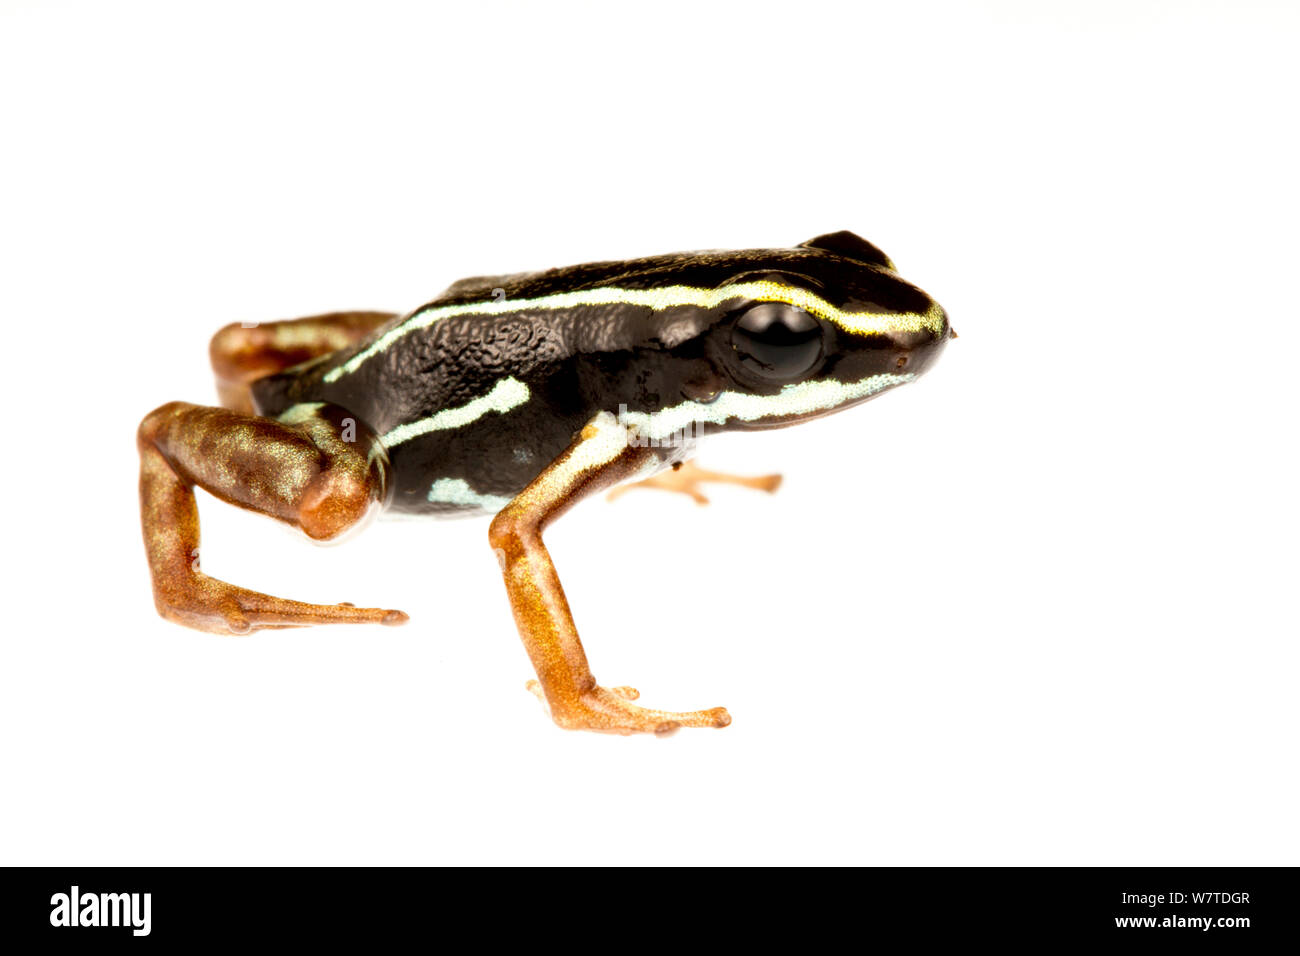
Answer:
(572, 362)
(520, 395)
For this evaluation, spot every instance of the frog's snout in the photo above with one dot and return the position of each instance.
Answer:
(916, 351)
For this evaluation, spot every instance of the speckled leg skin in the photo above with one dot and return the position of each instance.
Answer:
(565, 682)
(298, 470)
(242, 355)
(685, 478)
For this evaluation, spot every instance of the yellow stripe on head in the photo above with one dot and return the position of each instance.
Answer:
(664, 297)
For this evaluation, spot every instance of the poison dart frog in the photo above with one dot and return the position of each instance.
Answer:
(518, 396)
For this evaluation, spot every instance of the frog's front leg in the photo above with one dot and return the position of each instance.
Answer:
(685, 477)
(301, 468)
(599, 457)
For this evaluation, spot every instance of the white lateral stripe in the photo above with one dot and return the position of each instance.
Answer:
(800, 399)
(862, 323)
(605, 438)
(456, 491)
(506, 394)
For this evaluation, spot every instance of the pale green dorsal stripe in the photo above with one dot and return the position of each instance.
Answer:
(862, 323)
(506, 394)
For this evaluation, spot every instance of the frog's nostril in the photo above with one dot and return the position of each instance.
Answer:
(902, 361)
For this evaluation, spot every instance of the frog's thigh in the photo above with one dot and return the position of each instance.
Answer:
(599, 457)
(241, 354)
(299, 470)
(685, 478)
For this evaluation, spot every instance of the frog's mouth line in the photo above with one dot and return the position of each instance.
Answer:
(795, 418)
(794, 403)
(764, 424)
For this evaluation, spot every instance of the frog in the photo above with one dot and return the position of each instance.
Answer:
(515, 397)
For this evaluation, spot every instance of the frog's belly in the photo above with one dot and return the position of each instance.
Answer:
(475, 468)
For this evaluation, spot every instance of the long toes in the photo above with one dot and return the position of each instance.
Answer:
(611, 710)
(664, 723)
(715, 717)
(391, 618)
(264, 611)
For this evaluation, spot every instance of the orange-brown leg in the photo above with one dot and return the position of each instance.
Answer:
(685, 478)
(599, 457)
(243, 353)
(297, 469)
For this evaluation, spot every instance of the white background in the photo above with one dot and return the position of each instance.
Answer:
(1037, 608)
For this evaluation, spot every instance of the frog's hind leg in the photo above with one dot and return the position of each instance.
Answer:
(313, 468)
(244, 352)
(686, 478)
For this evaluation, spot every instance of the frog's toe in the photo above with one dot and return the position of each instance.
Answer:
(610, 710)
(223, 608)
(263, 610)
(391, 618)
(686, 478)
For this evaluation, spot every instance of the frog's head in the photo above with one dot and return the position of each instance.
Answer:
(815, 329)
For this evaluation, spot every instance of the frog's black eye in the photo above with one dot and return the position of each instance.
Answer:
(777, 342)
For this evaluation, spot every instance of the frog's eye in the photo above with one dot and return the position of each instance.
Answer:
(777, 342)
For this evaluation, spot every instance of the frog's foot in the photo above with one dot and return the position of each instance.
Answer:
(212, 605)
(610, 710)
(686, 478)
